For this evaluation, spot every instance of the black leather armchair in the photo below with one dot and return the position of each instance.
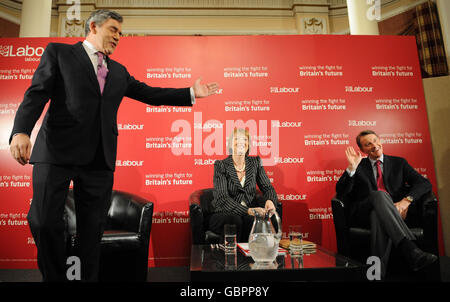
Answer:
(200, 209)
(354, 242)
(125, 242)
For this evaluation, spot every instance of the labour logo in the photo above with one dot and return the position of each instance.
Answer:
(4, 50)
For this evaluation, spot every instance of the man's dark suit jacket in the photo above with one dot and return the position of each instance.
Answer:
(229, 192)
(400, 180)
(78, 113)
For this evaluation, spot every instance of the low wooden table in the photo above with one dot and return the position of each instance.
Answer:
(209, 263)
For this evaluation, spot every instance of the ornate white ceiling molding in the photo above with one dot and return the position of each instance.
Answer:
(200, 4)
(303, 11)
(10, 18)
(11, 4)
(311, 2)
(196, 4)
(401, 9)
(311, 9)
(206, 12)
(314, 26)
(207, 32)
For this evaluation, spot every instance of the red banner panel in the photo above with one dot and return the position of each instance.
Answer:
(303, 98)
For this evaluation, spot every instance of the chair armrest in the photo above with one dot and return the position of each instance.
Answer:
(338, 209)
(430, 222)
(429, 202)
(197, 200)
(340, 225)
(130, 213)
(279, 209)
(145, 225)
(196, 222)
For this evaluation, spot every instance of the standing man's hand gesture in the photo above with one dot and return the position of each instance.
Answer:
(204, 90)
(353, 158)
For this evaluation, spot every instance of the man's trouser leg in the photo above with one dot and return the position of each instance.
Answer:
(387, 227)
(92, 193)
(45, 218)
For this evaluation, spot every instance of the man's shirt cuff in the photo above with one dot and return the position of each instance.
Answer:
(192, 96)
(350, 173)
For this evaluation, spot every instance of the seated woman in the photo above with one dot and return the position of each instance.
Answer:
(235, 179)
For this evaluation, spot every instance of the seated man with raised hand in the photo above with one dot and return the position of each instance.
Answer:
(378, 191)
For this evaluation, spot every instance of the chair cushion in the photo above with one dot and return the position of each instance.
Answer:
(113, 240)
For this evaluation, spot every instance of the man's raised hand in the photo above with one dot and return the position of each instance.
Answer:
(353, 158)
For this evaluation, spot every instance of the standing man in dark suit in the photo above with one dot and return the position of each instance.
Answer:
(381, 188)
(78, 138)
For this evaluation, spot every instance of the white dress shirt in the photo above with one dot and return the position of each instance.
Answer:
(92, 53)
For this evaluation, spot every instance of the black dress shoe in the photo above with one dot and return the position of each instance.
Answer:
(421, 259)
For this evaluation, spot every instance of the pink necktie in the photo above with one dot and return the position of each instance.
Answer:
(102, 71)
(380, 182)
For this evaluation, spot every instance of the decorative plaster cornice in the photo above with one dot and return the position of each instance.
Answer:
(207, 32)
(10, 18)
(206, 12)
(267, 4)
(11, 4)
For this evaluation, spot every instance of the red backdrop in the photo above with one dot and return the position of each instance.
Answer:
(304, 98)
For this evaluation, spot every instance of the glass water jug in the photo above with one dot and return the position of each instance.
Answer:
(263, 240)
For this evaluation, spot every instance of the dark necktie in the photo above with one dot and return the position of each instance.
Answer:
(102, 71)
(380, 183)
